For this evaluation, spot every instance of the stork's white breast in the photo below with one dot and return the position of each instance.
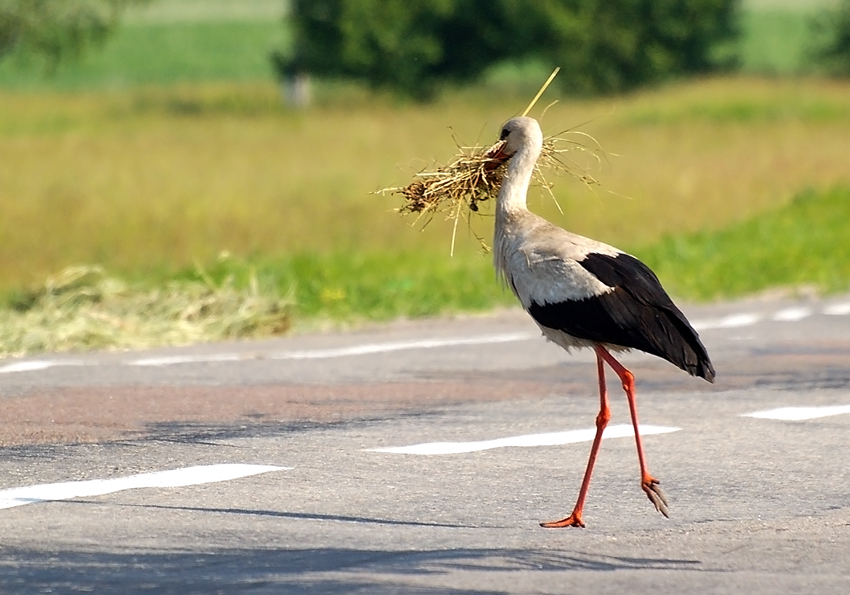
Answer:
(541, 262)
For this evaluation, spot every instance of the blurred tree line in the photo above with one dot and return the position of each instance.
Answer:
(833, 54)
(57, 29)
(413, 46)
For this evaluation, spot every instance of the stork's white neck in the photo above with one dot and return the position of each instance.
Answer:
(511, 210)
(512, 195)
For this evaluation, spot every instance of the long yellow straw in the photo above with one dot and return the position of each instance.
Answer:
(542, 89)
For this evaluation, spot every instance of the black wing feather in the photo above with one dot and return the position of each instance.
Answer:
(637, 314)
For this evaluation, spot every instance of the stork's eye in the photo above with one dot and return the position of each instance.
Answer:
(505, 133)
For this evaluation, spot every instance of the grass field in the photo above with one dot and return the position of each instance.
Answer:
(158, 53)
(164, 42)
(179, 165)
(801, 245)
(155, 179)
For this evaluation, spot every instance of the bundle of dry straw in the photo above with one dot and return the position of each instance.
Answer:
(473, 176)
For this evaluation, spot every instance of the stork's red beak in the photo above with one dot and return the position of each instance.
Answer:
(497, 155)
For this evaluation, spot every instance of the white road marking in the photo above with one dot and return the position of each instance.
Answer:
(548, 439)
(364, 349)
(732, 321)
(36, 365)
(160, 479)
(837, 309)
(792, 314)
(741, 319)
(405, 345)
(799, 413)
(187, 359)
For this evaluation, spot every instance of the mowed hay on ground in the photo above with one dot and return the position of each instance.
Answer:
(83, 308)
(155, 178)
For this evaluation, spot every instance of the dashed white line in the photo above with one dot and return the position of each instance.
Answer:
(187, 359)
(738, 320)
(404, 345)
(161, 479)
(792, 314)
(354, 350)
(837, 309)
(732, 321)
(36, 365)
(364, 349)
(547, 439)
(799, 413)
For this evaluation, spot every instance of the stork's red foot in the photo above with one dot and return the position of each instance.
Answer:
(652, 488)
(574, 520)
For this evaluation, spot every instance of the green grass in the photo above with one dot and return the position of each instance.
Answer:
(158, 53)
(356, 286)
(237, 298)
(804, 243)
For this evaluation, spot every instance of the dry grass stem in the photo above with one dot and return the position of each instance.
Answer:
(542, 90)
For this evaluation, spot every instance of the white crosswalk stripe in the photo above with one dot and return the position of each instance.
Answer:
(799, 413)
(186, 476)
(547, 439)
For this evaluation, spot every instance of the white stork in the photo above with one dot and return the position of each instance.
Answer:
(583, 293)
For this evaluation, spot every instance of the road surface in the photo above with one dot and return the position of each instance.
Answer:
(419, 457)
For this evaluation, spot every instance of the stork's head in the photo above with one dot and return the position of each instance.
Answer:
(516, 133)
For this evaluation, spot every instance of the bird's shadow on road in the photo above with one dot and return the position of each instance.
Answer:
(331, 570)
(268, 570)
(308, 516)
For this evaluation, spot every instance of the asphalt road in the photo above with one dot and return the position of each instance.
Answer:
(758, 504)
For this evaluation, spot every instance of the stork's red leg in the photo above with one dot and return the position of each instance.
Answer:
(650, 485)
(574, 520)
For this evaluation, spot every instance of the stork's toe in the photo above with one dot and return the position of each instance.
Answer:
(652, 488)
(574, 520)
